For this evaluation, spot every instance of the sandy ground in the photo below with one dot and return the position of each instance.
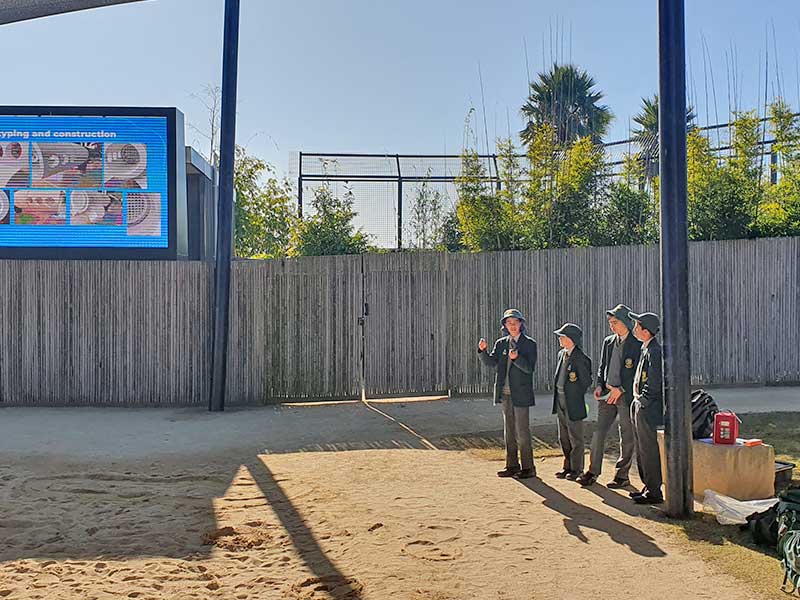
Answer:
(366, 524)
(312, 503)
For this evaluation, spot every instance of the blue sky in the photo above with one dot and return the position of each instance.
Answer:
(361, 76)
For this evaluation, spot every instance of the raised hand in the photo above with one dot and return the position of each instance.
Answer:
(482, 345)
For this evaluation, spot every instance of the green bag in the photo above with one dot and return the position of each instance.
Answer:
(789, 538)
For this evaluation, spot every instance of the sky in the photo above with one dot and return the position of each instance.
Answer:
(390, 77)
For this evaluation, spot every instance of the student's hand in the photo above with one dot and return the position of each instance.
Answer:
(598, 391)
(482, 345)
(614, 397)
(513, 355)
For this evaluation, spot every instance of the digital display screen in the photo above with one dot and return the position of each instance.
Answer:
(83, 181)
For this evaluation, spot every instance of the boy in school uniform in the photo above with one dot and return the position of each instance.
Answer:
(614, 394)
(572, 378)
(514, 358)
(647, 409)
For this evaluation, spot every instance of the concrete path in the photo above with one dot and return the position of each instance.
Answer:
(118, 433)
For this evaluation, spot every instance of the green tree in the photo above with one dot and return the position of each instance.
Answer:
(426, 216)
(629, 212)
(263, 209)
(566, 98)
(540, 193)
(330, 228)
(724, 194)
(559, 204)
(451, 238)
(578, 184)
(779, 212)
(485, 219)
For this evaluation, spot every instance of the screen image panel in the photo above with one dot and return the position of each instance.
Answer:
(84, 181)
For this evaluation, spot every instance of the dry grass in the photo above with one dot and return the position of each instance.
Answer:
(732, 552)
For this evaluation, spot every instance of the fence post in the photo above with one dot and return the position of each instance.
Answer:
(399, 204)
(773, 166)
(496, 172)
(300, 188)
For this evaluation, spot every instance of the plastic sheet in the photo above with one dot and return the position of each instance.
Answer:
(730, 511)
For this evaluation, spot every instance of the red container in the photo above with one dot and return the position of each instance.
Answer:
(726, 428)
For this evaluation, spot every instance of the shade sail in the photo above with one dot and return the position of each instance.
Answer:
(12, 11)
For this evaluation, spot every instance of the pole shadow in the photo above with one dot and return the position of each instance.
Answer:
(327, 577)
(578, 516)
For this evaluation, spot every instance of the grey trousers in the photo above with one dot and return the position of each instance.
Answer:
(648, 456)
(570, 436)
(606, 415)
(517, 435)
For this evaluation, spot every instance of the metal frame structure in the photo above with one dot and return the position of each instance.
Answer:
(400, 169)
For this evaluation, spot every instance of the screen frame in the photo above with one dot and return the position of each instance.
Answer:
(106, 253)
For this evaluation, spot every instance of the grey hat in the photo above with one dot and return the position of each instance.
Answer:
(649, 321)
(511, 313)
(622, 313)
(571, 331)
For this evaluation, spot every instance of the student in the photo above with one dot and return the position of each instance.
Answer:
(514, 359)
(573, 377)
(614, 394)
(647, 409)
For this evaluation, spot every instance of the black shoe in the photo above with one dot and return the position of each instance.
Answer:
(508, 472)
(587, 479)
(562, 474)
(525, 474)
(648, 499)
(618, 484)
(636, 494)
(573, 476)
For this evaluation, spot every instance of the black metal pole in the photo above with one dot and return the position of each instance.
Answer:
(674, 255)
(227, 150)
(300, 187)
(399, 204)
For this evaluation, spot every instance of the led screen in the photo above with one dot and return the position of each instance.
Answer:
(83, 182)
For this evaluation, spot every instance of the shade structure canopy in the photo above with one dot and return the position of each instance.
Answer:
(24, 10)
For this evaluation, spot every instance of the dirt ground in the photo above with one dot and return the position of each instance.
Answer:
(365, 524)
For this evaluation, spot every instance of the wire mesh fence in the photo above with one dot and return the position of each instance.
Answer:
(385, 189)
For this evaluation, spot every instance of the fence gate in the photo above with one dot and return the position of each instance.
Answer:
(405, 324)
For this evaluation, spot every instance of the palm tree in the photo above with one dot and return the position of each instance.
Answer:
(566, 98)
(647, 119)
(647, 133)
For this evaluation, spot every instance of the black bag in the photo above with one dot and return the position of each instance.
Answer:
(703, 410)
(764, 527)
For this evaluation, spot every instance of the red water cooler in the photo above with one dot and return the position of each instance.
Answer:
(726, 428)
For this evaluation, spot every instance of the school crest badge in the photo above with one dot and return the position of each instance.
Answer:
(628, 363)
(573, 376)
(644, 376)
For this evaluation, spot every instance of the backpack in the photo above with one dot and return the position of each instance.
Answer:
(789, 538)
(763, 526)
(703, 410)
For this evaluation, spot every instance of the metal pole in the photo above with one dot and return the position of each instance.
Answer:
(674, 255)
(222, 280)
(497, 172)
(300, 188)
(399, 204)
